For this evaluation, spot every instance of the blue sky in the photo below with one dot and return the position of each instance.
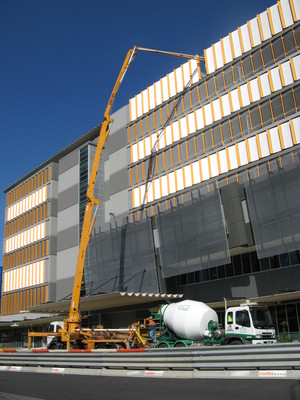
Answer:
(59, 60)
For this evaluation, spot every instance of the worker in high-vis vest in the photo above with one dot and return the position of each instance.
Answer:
(152, 329)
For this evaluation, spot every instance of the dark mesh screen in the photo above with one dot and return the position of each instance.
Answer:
(274, 207)
(193, 235)
(122, 259)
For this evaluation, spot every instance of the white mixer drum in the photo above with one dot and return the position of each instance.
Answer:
(188, 319)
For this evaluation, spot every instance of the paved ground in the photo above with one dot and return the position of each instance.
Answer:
(27, 386)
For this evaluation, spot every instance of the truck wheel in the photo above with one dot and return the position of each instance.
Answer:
(162, 346)
(179, 344)
(235, 343)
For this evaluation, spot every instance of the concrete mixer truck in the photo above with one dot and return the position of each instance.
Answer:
(189, 322)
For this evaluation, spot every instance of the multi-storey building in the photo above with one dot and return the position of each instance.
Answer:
(199, 183)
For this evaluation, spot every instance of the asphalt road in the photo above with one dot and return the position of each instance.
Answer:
(27, 386)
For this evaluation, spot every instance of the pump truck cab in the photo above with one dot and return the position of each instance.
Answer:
(190, 322)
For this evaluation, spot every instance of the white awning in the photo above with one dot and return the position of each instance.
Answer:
(106, 301)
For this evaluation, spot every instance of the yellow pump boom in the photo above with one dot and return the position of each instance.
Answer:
(71, 331)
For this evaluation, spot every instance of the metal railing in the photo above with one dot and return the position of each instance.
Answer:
(279, 357)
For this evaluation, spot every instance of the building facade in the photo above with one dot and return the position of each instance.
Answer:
(199, 185)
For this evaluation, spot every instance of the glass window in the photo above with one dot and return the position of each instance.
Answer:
(245, 121)
(134, 177)
(230, 317)
(194, 95)
(228, 78)
(217, 135)
(255, 118)
(278, 49)
(208, 140)
(168, 158)
(226, 131)
(281, 316)
(247, 65)
(266, 113)
(202, 90)
(238, 72)
(294, 257)
(221, 271)
(277, 108)
(274, 261)
(164, 111)
(257, 61)
(237, 265)
(157, 119)
(267, 55)
(211, 87)
(264, 264)
(183, 154)
(235, 126)
(191, 148)
(297, 34)
(220, 82)
(229, 270)
(297, 96)
(175, 155)
(187, 101)
(261, 318)
(242, 318)
(160, 163)
(151, 122)
(284, 260)
(288, 102)
(212, 273)
(292, 318)
(246, 263)
(254, 262)
(289, 42)
(199, 145)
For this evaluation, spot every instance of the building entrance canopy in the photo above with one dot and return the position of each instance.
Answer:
(107, 301)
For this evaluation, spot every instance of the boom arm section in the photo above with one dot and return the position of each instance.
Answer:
(73, 321)
(74, 318)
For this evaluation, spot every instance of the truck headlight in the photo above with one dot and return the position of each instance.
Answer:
(258, 336)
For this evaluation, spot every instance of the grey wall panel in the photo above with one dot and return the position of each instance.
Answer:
(68, 238)
(51, 292)
(64, 288)
(66, 267)
(106, 170)
(68, 198)
(117, 141)
(52, 190)
(119, 181)
(106, 191)
(121, 118)
(54, 171)
(53, 245)
(118, 161)
(247, 286)
(53, 208)
(239, 235)
(118, 205)
(68, 218)
(68, 161)
(68, 178)
(51, 227)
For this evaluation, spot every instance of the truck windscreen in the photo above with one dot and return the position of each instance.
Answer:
(261, 318)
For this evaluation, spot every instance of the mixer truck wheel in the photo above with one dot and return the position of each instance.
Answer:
(235, 343)
(179, 344)
(162, 346)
